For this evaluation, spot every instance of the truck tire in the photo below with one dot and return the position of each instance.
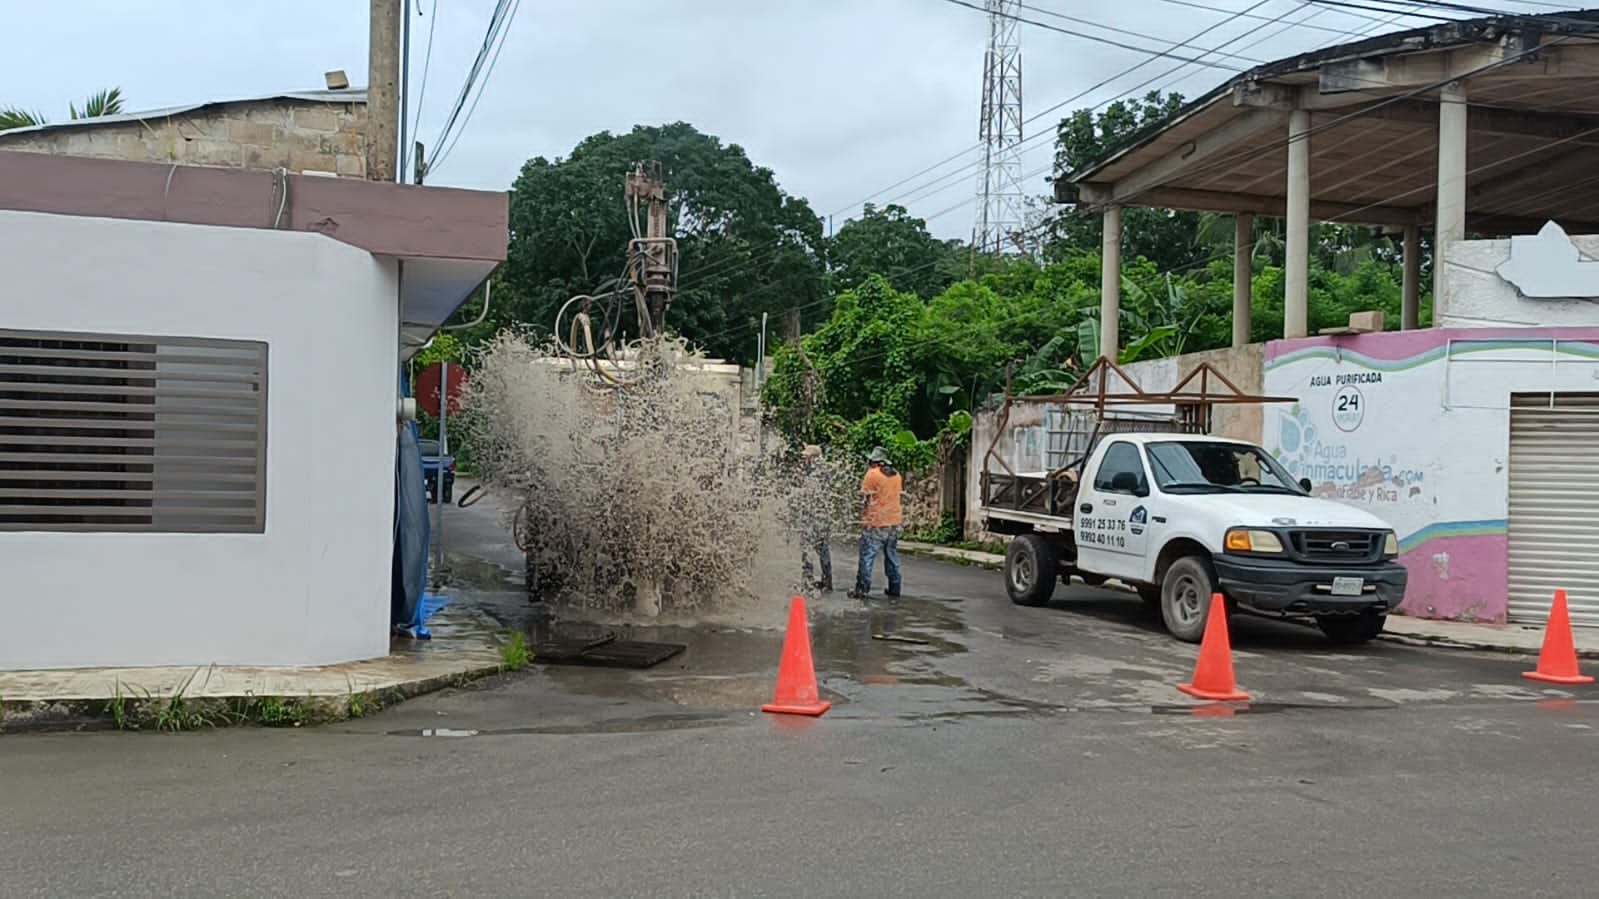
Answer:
(1352, 630)
(1185, 594)
(1030, 563)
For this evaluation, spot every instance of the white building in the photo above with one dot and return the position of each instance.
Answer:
(198, 404)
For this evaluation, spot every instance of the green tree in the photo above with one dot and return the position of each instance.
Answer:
(745, 246)
(893, 243)
(106, 102)
(1166, 237)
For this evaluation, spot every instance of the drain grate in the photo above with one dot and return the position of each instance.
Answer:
(605, 651)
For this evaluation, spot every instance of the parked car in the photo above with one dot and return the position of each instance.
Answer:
(432, 464)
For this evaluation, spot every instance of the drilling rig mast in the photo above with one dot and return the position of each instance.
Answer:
(652, 254)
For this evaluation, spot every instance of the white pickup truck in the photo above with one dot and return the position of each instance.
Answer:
(1179, 516)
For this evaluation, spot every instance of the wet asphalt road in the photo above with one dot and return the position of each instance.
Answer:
(1007, 751)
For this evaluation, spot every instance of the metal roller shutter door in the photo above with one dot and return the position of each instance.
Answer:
(1554, 506)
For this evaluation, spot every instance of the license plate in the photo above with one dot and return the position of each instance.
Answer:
(1348, 586)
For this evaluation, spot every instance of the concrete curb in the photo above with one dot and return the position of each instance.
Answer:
(1445, 642)
(988, 561)
(83, 713)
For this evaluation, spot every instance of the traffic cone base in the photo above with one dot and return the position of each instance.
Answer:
(797, 693)
(1569, 679)
(1557, 660)
(1213, 674)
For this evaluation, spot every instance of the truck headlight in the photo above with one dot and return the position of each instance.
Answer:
(1244, 540)
(1390, 545)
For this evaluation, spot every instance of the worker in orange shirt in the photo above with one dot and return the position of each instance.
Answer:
(881, 522)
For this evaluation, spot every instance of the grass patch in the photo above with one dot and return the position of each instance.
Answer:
(514, 652)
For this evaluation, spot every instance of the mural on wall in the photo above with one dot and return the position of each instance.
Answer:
(1408, 426)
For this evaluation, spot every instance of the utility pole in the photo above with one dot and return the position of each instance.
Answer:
(656, 281)
(383, 90)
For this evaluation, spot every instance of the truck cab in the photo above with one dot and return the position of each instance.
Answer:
(1180, 515)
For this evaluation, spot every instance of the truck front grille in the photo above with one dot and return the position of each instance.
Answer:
(1336, 546)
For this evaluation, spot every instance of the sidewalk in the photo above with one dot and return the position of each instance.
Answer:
(1518, 638)
(464, 647)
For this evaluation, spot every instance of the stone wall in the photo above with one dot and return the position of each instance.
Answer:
(299, 135)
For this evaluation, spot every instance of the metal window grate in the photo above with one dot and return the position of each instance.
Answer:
(106, 432)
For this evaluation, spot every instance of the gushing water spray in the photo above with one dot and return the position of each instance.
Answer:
(638, 501)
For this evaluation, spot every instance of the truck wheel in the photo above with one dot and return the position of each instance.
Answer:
(1185, 597)
(1030, 564)
(1351, 630)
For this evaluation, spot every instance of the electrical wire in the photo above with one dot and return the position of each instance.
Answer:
(493, 61)
(1072, 99)
(948, 180)
(1096, 38)
(1254, 152)
(422, 90)
(488, 54)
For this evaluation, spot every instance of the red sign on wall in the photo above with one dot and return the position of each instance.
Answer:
(427, 387)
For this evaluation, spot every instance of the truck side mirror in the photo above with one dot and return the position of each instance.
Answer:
(1305, 485)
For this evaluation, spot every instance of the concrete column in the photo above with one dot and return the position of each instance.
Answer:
(1296, 274)
(383, 90)
(1243, 255)
(1450, 222)
(1410, 310)
(1110, 285)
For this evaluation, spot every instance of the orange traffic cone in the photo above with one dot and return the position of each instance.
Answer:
(1557, 661)
(1213, 675)
(796, 674)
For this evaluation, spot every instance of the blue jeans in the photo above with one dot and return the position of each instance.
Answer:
(874, 541)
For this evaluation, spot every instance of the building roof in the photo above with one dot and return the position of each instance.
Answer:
(1532, 144)
(347, 95)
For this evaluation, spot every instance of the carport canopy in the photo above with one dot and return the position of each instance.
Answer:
(1489, 126)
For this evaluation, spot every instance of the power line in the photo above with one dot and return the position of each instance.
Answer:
(1255, 152)
(1127, 31)
(1031, 119)
(422, 91)
(924, 192)
(493, 61)
(705, 275)
(932, 188)
(504, 11)
(1096, 38)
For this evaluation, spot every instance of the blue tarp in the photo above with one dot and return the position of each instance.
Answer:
(411, 526)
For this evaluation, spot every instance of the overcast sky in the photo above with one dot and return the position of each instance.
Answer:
(841, 98)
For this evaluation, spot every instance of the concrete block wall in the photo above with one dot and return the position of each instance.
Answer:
(299, 135)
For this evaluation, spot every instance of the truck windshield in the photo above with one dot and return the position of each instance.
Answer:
(1216, 467)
